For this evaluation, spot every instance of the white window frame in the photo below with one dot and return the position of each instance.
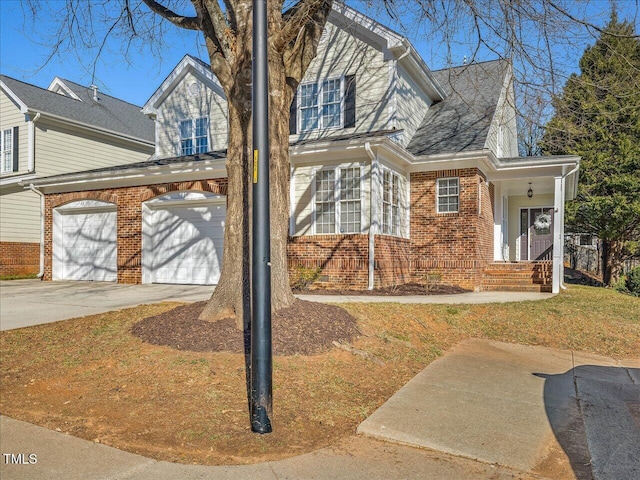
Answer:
(392, 225)
(195, 149)
(6, 150)
(337, 199)
(447, 195)
(320, 104)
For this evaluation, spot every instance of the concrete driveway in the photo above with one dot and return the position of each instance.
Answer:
(24, 303)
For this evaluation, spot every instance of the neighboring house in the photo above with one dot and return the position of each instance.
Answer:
(398, 174)
(44, 132)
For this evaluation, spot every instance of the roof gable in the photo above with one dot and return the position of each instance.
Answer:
(188, 64)
(461, 122)
(75, 105)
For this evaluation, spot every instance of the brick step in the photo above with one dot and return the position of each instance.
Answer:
(516, 288)
(521, 266)
(516, 281)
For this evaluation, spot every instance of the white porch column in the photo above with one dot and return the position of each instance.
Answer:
(498, 213)
(558, 234)
(374, 220)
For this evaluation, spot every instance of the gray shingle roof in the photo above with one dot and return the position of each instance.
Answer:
(108, 113)
(461, 121)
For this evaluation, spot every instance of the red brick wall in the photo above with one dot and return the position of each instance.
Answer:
(343, 259)
(129, 210)
(458, 245)
(392, 265)
(19, 258)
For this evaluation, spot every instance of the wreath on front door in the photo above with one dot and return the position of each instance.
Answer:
(542, 222)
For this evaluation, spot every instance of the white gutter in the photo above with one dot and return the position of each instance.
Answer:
(373, 212)
(38, 192)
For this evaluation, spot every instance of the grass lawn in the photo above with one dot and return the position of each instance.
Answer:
(92, 378)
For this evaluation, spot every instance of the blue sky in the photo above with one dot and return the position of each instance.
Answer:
(22, 53)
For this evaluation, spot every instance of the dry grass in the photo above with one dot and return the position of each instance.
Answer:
(91, 378)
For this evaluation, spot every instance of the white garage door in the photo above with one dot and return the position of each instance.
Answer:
(182, 238)
(84, 241)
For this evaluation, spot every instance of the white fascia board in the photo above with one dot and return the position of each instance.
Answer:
(352, 16)
(320, 152)
(415, 64)
(16, 178)
(532, 162)
(150, 175)
(447, 161)
(59, 83)
(23, 106)
(186, 65)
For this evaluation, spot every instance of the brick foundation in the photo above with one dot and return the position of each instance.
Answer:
(19, 258)
(342, 259)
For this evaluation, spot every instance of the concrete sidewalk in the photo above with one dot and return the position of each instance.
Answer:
(24, 303)
(486, 410)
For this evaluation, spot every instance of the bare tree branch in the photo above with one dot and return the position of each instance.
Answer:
(190, 23)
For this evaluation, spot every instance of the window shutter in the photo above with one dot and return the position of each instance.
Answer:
(350, 101)
(293, 115)
(16, 166)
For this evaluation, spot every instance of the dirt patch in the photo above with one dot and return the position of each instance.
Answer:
(395, 290)
(306, 328)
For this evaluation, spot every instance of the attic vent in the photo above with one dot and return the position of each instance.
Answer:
(194, 89)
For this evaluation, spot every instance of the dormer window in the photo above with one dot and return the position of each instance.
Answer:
(328, 104)
(194, 136)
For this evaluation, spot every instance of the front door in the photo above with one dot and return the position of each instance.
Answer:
(536, 233)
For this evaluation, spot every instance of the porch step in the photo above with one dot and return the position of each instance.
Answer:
(518, 277)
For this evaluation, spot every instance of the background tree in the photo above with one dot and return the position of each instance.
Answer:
(598, 117)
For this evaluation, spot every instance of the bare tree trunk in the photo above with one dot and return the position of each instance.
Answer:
(606, 262)
(231, 297)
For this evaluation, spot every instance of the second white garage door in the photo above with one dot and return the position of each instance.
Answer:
(182, 238)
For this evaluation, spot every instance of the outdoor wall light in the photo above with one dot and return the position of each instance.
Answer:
(530, 191)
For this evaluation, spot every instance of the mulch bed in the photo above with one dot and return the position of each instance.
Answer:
(306, 328)
(396, 290)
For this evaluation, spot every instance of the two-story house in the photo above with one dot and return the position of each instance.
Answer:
(397, 173)
(64, 128)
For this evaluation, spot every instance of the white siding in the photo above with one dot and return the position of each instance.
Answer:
(10, 117)
(181, 104)
(504, 143)
(63, 149)
(344, 53)
(303, 184)
(20, 217)
(412, 105)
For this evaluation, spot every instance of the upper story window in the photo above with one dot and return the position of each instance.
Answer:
(448, 195)
(8, 150)
(194, 136)
(324, 105)
(321, 105)
(338, 202)
(390, 203)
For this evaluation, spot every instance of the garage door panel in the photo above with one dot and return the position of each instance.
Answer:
(183, 242)
(85, 243)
